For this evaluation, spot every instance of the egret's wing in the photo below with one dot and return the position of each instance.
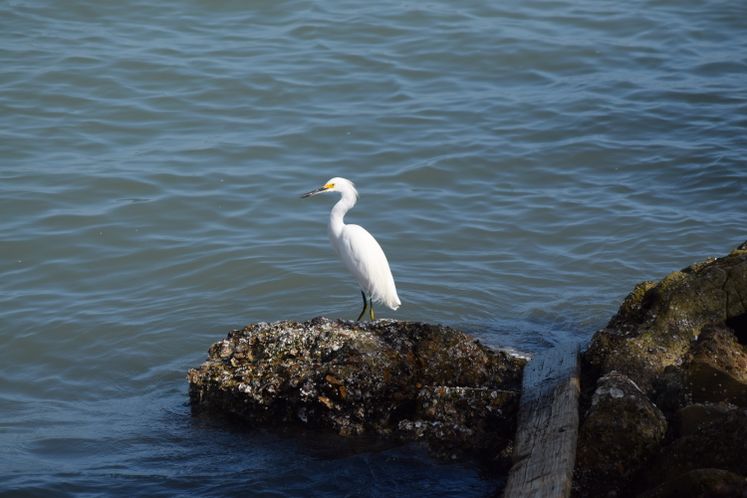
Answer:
(365, 259)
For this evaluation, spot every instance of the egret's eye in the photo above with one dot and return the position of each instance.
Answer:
(329, 186)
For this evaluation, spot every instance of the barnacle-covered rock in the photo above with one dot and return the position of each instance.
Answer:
(399, 379)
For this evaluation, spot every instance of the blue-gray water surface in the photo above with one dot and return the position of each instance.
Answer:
(523, 165)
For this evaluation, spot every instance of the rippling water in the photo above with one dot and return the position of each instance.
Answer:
(523, 164)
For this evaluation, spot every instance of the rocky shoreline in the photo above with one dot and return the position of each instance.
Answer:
(664, 386)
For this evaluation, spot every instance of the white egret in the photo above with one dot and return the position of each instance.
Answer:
(358, 250)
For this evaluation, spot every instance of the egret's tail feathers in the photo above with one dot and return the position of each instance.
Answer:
(393, 304)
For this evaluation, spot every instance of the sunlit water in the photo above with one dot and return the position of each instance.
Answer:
(523, 164)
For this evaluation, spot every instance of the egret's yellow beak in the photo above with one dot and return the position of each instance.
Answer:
(321, 189)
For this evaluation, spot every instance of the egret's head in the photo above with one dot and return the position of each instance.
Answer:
(336, 184)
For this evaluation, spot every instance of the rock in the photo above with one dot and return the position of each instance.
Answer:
(622, 428)
(701, 483)
(455, 419)
(716, 368)
(680, 344)
(692, 417)
(671, 391)
(713, 370)
(657, 322)
(711, 437)
(399, 379)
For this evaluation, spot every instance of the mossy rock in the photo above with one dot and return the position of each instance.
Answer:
(622, 429)
(657, 323)
(681, 343)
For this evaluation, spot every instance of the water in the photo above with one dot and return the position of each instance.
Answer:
(523, 164)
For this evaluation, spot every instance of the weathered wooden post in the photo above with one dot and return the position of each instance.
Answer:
(545, 445)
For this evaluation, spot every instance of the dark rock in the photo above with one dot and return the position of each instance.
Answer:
(691, 418)
(701, 483)
(622, 428)
(716, 368)
(678, 343)
(671, 390)
(460, 417)
(401, 379)
(713, 370)
(710, 436)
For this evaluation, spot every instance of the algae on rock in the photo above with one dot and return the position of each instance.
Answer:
(657, 323)
(674, 348)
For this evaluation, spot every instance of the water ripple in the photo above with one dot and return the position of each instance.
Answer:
(523, 165)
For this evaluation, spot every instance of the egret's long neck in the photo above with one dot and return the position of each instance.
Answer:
(336, 223)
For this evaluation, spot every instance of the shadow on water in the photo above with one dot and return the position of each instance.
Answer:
(357, 463)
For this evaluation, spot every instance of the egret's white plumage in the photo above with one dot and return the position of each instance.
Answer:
(357, 248)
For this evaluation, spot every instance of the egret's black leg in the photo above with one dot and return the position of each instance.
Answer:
(370, 310)
(364, 307)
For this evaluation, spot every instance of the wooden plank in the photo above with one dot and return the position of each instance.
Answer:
(545, 445)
